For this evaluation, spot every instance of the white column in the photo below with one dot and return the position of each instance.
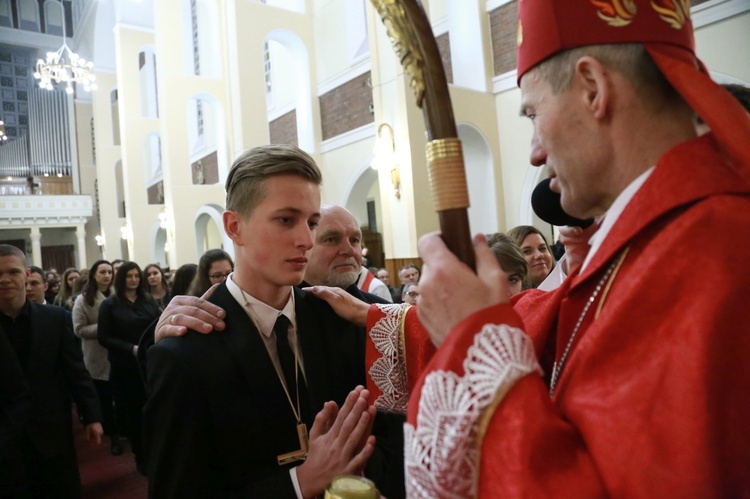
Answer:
(81, 236)
(36, 247)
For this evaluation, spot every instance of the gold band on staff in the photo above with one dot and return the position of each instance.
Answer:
(445, 167)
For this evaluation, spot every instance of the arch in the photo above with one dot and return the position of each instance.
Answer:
(119, 189)
(158, 244)
(356, 194)
(209, 230)
(28, 15)
(148, 82)
(53, 17)
(200, 35)
(480, 178)
(207, 132)
(297, 73)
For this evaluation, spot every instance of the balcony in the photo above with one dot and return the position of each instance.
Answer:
(28, 210)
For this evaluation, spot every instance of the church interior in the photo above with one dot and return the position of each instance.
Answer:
(129, 162)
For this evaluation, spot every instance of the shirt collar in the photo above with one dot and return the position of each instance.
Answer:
(613, 213)
(263, 315)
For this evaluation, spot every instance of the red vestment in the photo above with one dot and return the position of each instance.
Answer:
(654, 399)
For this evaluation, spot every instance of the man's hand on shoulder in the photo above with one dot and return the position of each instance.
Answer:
(190, 312)
(94, 432)
(345, 305)
(340, 442)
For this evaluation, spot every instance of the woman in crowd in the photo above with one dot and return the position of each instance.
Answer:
(122, 319)
(65, 297)
(85, 326)
(214, 266)
(182, 279)
(511, 260)
(156, 284)
(535, 250)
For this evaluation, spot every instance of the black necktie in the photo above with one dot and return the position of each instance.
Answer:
(289, 366)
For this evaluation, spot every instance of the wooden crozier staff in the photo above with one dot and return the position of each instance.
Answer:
(411, 35)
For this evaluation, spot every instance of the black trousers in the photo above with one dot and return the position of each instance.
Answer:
(38, 476)
(130, 397)
(104, 391)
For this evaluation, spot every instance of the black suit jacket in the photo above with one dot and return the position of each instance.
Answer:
(217, 415)
(55, 372)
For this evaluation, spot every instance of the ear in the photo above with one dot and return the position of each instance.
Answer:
(593, 80)
(232, 226)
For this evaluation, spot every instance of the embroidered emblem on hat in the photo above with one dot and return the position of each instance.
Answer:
(673, 12)
(519, 34)
(617, 13)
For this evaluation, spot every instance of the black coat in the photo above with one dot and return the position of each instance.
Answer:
(217, 416)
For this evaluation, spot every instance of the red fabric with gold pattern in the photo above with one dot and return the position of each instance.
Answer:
(546, 27)
(653, 401)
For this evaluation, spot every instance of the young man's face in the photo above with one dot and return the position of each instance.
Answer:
(272, 244)
(35, 288)
(12, 278)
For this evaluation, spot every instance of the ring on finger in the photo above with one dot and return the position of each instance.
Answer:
(171, 319)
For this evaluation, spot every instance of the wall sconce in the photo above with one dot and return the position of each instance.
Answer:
(124, 231)
(384, 156)
(163, 218)
(100, 240)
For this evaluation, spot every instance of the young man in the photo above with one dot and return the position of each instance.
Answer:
(49, 363)
(36, 286)
(229, 413)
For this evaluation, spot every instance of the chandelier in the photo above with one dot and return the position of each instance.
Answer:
(3, 136)
(65, 66)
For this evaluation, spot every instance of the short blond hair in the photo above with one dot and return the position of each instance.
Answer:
(245, 182)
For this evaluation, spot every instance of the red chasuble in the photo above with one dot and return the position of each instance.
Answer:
(654, 396)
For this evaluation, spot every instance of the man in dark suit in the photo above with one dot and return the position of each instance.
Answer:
(49, 362)
(228, 413)
(334, 261)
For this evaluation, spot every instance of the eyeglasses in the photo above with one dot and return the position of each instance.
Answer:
(411, 293)
(219, 275)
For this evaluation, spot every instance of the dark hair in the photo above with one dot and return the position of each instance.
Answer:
(91, 288)
(201, 283)
(36, 270)
(145, 285)
(121, 279)
(10, 250)
(182, 279)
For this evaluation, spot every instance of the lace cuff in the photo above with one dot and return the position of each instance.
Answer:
(388, 373)
(442, 452)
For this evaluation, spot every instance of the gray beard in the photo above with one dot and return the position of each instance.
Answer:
(341, 280)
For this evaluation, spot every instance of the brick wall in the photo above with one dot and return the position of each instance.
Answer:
(283, 130)
(205, 170)
(504, 27)
(444, 46)
(346, 107)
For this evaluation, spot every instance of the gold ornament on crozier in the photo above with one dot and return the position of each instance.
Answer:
(404, 41)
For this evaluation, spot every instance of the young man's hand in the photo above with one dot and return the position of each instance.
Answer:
(340, 442)
(94, 432)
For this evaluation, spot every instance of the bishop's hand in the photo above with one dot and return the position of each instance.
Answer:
(449, 291)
